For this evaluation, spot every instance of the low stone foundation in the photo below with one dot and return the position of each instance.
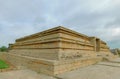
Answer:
(50, 67)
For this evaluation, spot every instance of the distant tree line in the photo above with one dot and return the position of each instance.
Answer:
(3, 49)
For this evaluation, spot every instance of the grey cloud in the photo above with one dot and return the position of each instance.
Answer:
(23, 10)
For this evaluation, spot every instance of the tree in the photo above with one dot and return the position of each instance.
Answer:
(3, 49)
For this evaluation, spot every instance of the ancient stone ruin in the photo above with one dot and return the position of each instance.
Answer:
(57, 50)
(115, 51)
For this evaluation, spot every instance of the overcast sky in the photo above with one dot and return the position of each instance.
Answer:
(99, 18)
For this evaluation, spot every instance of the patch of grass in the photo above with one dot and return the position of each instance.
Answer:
(3, 64)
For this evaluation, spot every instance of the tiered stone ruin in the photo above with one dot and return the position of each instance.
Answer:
(57, 50)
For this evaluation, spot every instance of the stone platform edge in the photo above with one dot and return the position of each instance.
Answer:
(50, 67)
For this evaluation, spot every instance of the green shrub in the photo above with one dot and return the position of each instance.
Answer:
(3, 65)
(3, 49)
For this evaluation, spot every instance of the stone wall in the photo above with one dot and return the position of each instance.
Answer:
(69, 65)
(51, 54)
(54, 45)
(40, 47)
(56, 50)
(74, 46)
(104, 47)
(58, 43)
(50, 67)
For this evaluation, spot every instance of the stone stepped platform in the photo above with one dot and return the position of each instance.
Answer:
(57, 50)
(51, 67)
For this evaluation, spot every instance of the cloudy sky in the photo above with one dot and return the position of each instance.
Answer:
(99, 18)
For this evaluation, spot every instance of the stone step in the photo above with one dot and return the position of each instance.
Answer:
(115, 61)
(109, 64)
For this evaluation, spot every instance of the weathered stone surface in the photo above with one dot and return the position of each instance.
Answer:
(57, 50)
